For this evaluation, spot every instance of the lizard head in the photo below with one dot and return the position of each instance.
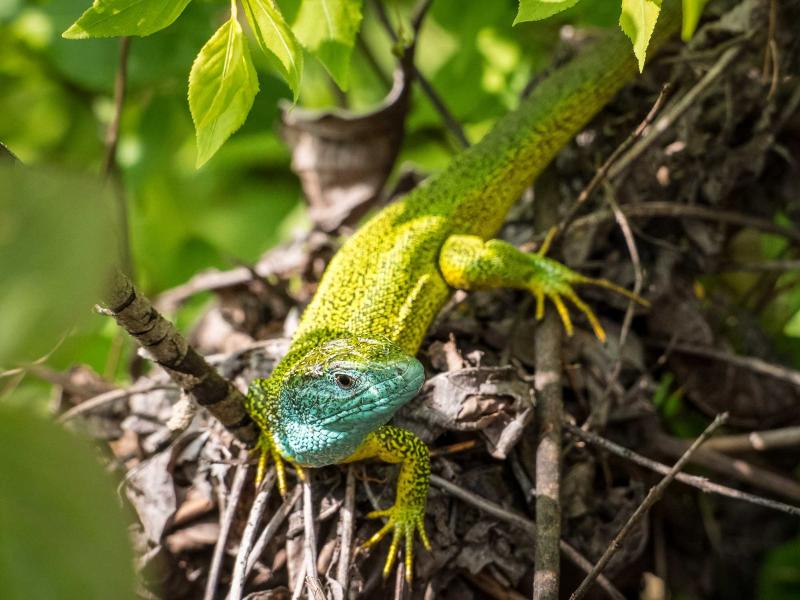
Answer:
(337, 392)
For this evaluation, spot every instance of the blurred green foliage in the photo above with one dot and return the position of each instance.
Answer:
(63, 534)
(780, 574)
(56, 243)
(245, 200)
(56, 98)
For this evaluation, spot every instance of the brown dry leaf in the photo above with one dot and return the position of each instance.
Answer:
(197, 536)
(492, 400)
(151, 491)
(344, 159)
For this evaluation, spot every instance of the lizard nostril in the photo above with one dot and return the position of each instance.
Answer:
(400, 370)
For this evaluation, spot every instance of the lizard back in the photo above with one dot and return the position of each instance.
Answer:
(385, 281)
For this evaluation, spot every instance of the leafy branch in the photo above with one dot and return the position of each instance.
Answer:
(223, 81)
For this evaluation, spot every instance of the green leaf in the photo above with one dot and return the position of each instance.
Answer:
(327, 29)
(56, 251)
(222, 86)
(109, 18)
(536, 10)
(64, 535)
(692, 9)
(276, 39)
(638, 20)
(779, 578)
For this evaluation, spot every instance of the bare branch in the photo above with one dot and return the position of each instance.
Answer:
(700, 483)
(226, 519)
(245, 546)
(653, 496)
(167, 347)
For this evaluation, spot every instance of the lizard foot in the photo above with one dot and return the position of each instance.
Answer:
(555, 282)
(402, 521)
(266, 449)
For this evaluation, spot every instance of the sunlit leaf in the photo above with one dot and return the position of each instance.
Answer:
(108, 18)
(56, 246)
(692, 9)
(64, 535)
(327, 29)
(638, 20)
(276, 40)
(222, 86)
(792, 327)
(536, 10)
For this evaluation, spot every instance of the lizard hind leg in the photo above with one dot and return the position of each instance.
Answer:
(470, 263)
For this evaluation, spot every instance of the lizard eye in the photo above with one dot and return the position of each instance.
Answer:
(343, 380)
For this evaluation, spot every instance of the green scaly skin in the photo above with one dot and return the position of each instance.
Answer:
(384, 287)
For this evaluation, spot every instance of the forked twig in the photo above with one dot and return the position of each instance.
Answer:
(701, 483)
(653, 496)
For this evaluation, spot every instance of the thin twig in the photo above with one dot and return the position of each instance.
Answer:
(771, 75)
(245, 546)
(750, 363)
(735, 468)
(109, 397)
(272, 527)
(701, 483)
(674, 112)
(787, 437)
(681, 211)
(524, 524)
(450, 122)
(399, 581)
(653, 496)
(310, 540)
(226, 519)
(299, 582)
(602, 404)
(346, 531)
(110, 158)
(112, 132)
(549, 414)
(602, 172)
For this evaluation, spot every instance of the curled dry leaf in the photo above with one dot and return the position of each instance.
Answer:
(343, 159)
(492, 400)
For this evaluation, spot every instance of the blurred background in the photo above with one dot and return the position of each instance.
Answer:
(56, 106)
(57, 101)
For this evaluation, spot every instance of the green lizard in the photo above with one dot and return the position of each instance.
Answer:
(351, 363)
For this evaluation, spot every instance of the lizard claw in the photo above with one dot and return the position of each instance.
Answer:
(402, 522)
(267, 449)
(555, 282)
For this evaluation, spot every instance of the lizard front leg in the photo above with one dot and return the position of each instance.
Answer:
(470, 263)
(396, 445)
